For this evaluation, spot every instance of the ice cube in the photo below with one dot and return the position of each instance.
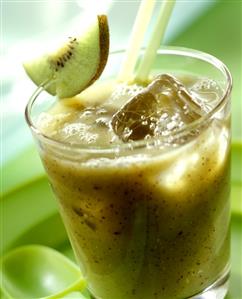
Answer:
(134, 119)
(164, 106)
(170, 86)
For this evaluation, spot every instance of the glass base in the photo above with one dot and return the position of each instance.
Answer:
(217, 290)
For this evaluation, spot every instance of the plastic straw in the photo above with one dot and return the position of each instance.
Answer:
(136, 38)
(155, 41)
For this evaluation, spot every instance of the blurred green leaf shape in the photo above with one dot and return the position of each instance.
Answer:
(24, 208)
(40, 272)
(236, 177)
(236, 165)
(235, 286)
(21, 170)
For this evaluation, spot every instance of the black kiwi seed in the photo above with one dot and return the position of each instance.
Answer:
(60, 62)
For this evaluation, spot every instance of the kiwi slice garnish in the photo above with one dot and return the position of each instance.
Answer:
(76, 64)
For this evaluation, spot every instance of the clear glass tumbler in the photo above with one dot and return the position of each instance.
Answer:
(148, 219)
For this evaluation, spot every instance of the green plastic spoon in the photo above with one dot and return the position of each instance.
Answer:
(36, 271)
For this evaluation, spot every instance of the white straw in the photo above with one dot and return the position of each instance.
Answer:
(155, 41)
(136, 38)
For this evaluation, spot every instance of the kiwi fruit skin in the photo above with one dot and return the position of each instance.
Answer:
(104, 46)
(76, 65)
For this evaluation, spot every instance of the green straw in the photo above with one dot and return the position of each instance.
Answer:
(136, 38)
(155, 41)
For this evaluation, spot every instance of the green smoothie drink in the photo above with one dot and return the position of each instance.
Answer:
(142, 177)
(139, 160)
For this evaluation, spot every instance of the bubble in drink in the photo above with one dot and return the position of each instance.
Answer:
(164, 106)
(207, 93)
(87, 126)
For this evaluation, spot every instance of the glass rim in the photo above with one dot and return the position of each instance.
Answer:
(162, 140)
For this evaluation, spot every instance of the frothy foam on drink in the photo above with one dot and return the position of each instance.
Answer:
(122, 93)
(134, 112)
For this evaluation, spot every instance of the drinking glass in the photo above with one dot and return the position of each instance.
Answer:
(148, 219)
